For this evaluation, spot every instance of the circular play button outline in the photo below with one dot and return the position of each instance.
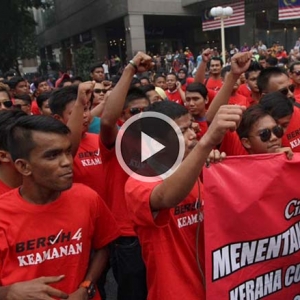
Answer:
(150, 114)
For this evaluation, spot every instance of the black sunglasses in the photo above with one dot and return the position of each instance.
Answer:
(8, 103)
(296, 73)
(135, 110)
(287, 89)
(265, 134)
(98, 91)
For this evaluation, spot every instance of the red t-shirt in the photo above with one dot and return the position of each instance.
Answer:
(174, 96)
(168, 243)
(213, 84)
(88, 164)
(291, 137)
(244, 90)
(4, 188)
(232, 145)
(34, 108)
(238, 99)
(251, 101)
(53, 239)
(115, 178)
(297, 92)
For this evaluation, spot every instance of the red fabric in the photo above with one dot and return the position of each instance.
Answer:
(203, 128)
(244, 90)
(34, 108)
(61, 79)
(168, 243)
(214, 84)
(211, 95)
(4, 188)
(66, 230)
(291, 137)
(174, 96)
(232, 145)
(252, 227)
(251, 101)
(115, 179)
(88, 164)
(238, 99)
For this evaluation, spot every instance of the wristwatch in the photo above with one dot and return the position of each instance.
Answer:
(90, 287)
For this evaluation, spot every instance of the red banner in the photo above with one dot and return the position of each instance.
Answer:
(252, 228)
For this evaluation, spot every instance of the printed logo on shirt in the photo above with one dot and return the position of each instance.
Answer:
(194, 211)
(71, 246)
(295, 135)
(90, 158)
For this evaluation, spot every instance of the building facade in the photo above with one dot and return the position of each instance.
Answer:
(122, 27)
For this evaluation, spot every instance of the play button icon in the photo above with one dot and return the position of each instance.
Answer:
(150, 146)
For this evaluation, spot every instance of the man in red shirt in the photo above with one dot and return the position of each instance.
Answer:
(167, 214)
(295, 76)
(43, 241)
(214, 82)
(126, 260)
(174, 91)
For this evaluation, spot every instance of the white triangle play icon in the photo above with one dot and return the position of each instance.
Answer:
(149, 146)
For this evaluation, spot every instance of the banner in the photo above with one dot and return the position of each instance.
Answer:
(237, 18)
(252, 228)
(288, 9)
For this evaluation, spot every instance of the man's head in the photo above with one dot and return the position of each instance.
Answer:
(274, 79)
(5, 100)
(23, 102)
(196, 97)
(97, 72)
(98, 93)
(61, 103)
(295, 72)
(251, 76)
(271, 62)
(43, 103)
(160, 81)
(144, 80)
(43, 155)
(258, 131)
(279, 107)
(41, 86)
(181, 74)
(182, 118)
(136, 102)
(262, 61)
(171, 80)
(151, 93)
(215, 66)
(18, 86)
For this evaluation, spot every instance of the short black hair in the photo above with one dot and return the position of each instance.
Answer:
(265, 75)
(277, 104)
(272, 61)
(147, 88)
(94, 66)
(133, 94)
(38, 81)
(26, 98)
(296, 63)
(42, 98)
(145, 77)
(197, 87)
(250, 116)
(158, 76)
(61, 85)
(20, 133)
(134, 81)
(14, 81)
(7, 118)
(172, 73)
(169, 108)
(216, 58)
(224, 71)
(61, 97)
(254, 67)
(77, 78)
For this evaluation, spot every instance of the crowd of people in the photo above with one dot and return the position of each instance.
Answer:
(68, 211)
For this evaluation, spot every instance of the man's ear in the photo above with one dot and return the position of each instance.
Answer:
(4, 156)
(57, 117)
(206, 100)
(246, 143)
(23, 167)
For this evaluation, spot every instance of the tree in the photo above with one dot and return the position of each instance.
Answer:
(17, 31)
(83, 57)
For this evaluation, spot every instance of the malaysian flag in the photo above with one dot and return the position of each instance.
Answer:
(288, 9)
(237, 18)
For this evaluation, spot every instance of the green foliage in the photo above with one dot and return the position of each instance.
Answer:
(17, 31)
(83, 58)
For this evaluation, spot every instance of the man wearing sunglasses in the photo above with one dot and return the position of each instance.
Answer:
(259, 132)
(5, 100)
(126, 259)
(295, 76)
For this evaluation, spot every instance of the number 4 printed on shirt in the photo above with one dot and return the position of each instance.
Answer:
(77, 236)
